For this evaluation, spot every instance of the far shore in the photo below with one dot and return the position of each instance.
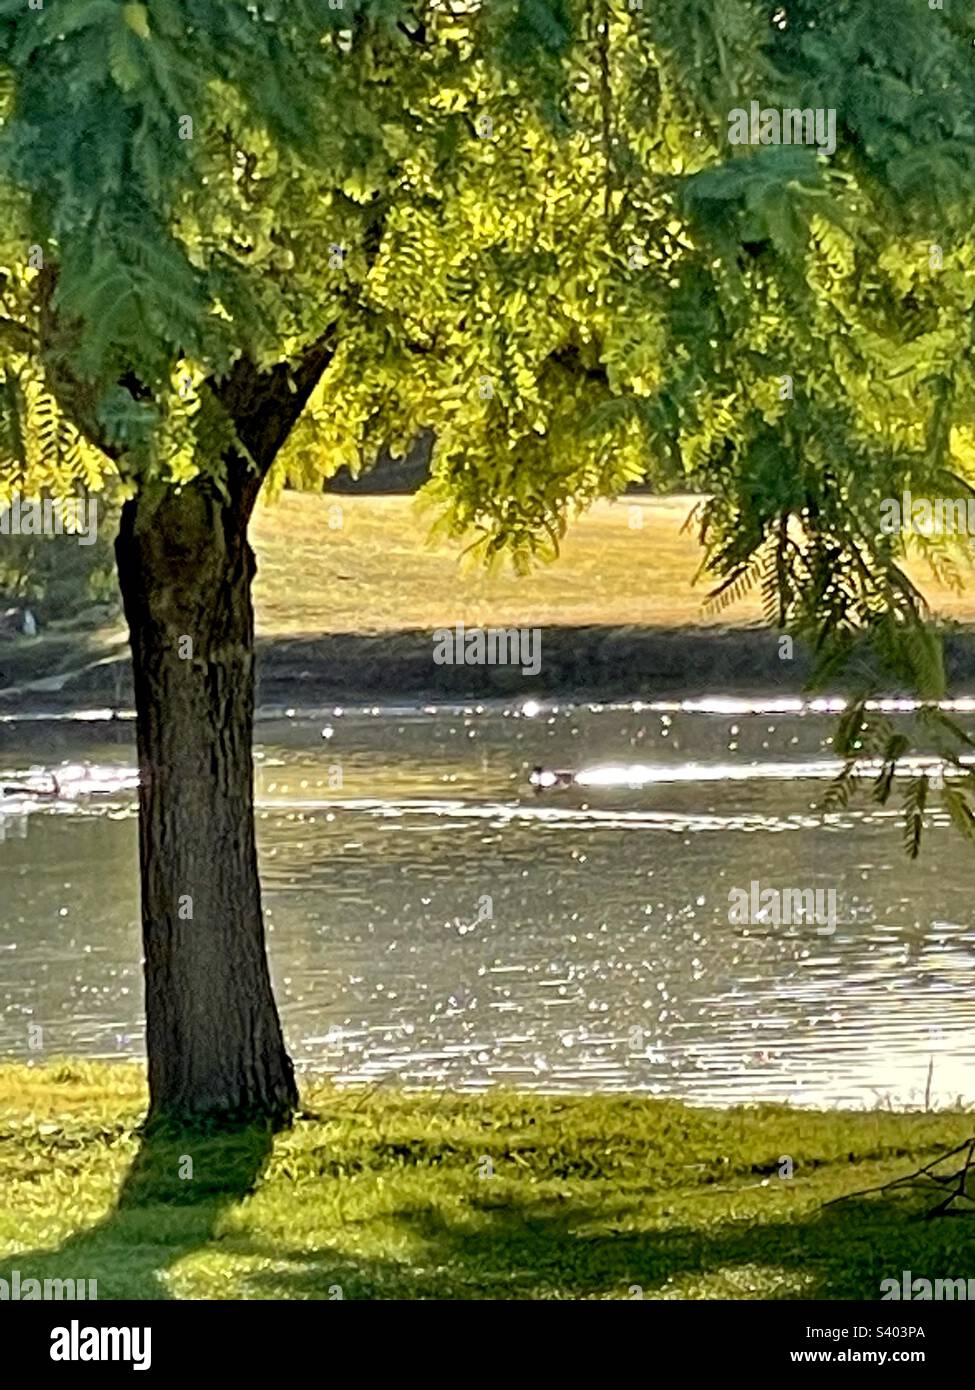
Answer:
(349, 594)
(583, 664)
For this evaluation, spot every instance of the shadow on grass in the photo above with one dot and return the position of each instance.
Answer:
(494, 1245)
(165, 1209)
(545, 1249)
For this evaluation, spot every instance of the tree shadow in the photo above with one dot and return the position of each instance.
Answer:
(171, 1200)
(567, 1249)
(494, 1244)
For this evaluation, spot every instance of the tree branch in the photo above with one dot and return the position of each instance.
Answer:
(417, 35)
(265, 404)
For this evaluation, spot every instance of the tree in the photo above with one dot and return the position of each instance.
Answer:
(241, 243)
(199, 205)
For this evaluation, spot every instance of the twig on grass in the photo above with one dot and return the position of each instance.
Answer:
(952, 1185)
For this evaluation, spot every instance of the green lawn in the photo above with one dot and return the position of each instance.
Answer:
(386, 1195)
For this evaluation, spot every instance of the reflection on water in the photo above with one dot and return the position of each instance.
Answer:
(434, 921)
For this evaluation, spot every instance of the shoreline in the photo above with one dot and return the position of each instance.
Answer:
(619, 662)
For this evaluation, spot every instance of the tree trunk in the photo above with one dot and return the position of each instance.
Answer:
(213, 1034)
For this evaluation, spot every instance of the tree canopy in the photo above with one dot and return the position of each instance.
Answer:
(522, 223)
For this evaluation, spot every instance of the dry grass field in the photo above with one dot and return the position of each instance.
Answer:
(339, 564)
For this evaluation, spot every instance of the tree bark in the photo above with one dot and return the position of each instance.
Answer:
(185, 569)
(213, 1034)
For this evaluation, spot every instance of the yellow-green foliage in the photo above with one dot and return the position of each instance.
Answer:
(520, 223)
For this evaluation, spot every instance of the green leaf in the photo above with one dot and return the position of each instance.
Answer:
(125, 61)
(137, 18)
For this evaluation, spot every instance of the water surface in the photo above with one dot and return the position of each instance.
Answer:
(433, 921)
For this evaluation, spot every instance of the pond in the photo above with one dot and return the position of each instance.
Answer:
(434, 921)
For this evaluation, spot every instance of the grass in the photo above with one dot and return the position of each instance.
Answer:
(376, 572)
(438, 1196)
